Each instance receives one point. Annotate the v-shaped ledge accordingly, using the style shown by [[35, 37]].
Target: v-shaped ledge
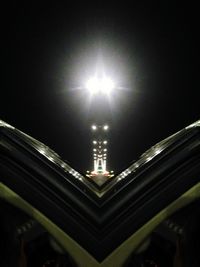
[[105, 187], [99, 218]]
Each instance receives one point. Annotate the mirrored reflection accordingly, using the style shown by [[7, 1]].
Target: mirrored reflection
[[146, 157]]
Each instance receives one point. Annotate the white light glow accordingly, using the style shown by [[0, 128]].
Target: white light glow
[[93, 85], [105, 149], [94, 127], [105, 127], [105, 142], [94, 142], [100, 85], [107, 85]]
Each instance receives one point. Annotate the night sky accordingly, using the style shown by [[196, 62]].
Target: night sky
[[149, 50]]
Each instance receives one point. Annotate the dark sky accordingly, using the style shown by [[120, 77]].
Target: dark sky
[[150, 51]]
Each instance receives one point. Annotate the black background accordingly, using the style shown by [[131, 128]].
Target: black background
[[150, 48]]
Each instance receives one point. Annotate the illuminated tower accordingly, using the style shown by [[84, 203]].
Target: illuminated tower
[[99, 146]]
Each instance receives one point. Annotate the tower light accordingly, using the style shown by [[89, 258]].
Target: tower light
[[105, 127], [94, 127]]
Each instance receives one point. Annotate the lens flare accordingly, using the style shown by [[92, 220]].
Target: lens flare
[[100, 85]]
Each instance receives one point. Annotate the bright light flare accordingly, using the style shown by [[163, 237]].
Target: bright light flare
[[105, 127], [93, 85], [100, 85], [94, 127], [107, 85]]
